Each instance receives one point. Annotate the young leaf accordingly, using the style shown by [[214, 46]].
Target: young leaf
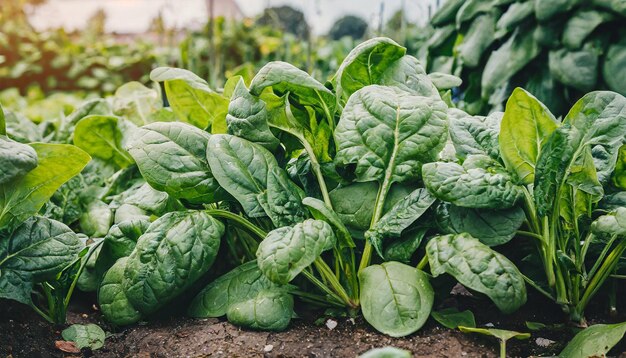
[[85, 336], [396, 299], [136, 103], [191, 98], [388, 134], [501, 334], [105, 137], [619, 175], [267, 310], [112, 299], [251, 175], [23, 196], [176, 250], [400, 217], [403, 249], [286, 251], [597, 119], [320, 211], [452, 318], [479, 268], [595, 341], [525, 127], [3, 123], [36, 251], [475, 134], [172, 158], [386, 352], [480, 183]]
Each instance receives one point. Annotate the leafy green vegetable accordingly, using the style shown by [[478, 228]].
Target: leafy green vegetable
[[16, 159], [501, 334], [386, 352], [105, 137], [286, 251], [36, 251], [479, 268], [474, 134], [395, 298], [85, 336], [176, 250], [595, 341], [172, 158], [452, 318], [112, 299]]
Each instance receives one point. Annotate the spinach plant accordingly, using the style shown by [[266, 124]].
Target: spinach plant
[[557, 173]]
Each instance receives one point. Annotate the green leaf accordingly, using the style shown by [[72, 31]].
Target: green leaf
[[403, 249], [404, 213], [85, 336], [480, 183], [447, 12], [597, 119], [479, 268], [544, 10], [491, 226], [248, 118], [595, 341], [452, 318], [619, 175], [136, 103], [23, 196], [120, 242], [408, 74], [36, 251], [3, 123], [364, 65], [444, 81], [267, 310], [611, 224], [97, 106], [251, 175], [581, 25], [112, 299], [286, 251], [476, 41], [386, 352], [514, 15], [388, 134], [283, 78], [320, 211], [213, 301], [525, 127], [96, 220], [501, 334], [578, 69], [172, 158], [507, 60], [16, 159], [475, 134], [176, 250], [613, 69], [471, 8], [105, 137], [396, 299], [191, 98]]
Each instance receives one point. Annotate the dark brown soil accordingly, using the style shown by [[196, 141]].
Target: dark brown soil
[[24, 334]]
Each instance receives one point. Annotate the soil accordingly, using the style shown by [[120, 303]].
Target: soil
[[24, 334]]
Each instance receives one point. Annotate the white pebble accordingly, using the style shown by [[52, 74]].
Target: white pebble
[[331, 324], [268, 348]]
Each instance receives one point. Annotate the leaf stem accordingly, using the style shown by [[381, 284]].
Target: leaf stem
[[240, 220], [423, 262], [378, 212]]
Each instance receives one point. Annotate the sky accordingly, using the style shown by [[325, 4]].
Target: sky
[[135, 15]]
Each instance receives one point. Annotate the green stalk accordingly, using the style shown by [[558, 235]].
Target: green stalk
[[537, 287], [238, 219], [502, 348], [423, 263], [318, 172], [378, 212], [328, 274]]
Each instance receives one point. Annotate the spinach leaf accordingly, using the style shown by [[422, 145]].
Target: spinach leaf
[[105, 137], [3, 123], [396, 299], [191, 98], [388, 134], [176, 250], [120, 242], [578, 69], [581, 25], [172, 158], [404, 213], [477, 40], [96, 220], [452, 318], [85, 336], [112, 299], [526, 125], [480, 182], [23, 196], [320, 211], [16, 159], [36, 251], [619, 175], [479, 268], [599, 118], [474, 134], [286, 251], [136, 103], [595, 341], [387, 352], [250, 173], [403, 249]]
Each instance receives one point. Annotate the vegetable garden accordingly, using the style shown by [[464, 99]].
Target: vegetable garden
[[397, 203]]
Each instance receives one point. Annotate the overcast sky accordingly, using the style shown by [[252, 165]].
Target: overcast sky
[[135, 15]]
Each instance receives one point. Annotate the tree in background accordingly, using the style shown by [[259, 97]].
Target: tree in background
[[287, 19], [349, 25]]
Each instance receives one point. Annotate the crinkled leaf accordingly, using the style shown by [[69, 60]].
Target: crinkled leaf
[[480, 183], [286, 251], [479, 268], [320, 211], [545, 10], [526, 125], [16, 159], [176, 250], [475, 134], [396, 299], [96, 220], [136, 103], [85, 336], [36, 251], [112, 299], [250, 173], [388, 134], [581, 25]]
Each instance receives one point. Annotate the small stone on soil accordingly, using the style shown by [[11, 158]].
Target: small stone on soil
[[331, 324], [543, 342], [268, 348]]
